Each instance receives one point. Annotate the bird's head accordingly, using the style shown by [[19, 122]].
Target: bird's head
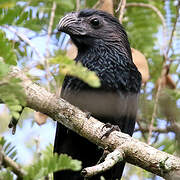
[[89, 27]]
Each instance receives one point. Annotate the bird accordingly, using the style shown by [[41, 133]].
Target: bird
[[103, 47]]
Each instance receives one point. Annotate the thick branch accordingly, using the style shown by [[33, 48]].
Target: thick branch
[[134, 151]]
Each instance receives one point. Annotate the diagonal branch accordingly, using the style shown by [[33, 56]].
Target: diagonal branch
[[121, 7], [27, 41], [130, 149], [16, 168]]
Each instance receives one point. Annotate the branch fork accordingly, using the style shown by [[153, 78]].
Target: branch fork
[[121, 146], [110, 160]]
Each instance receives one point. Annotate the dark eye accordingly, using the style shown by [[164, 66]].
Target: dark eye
[[94, 22]]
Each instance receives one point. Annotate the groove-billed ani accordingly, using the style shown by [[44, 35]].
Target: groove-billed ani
[[103, 47]]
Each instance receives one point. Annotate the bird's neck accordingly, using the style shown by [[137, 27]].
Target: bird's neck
[[102, 53], [113, 65]]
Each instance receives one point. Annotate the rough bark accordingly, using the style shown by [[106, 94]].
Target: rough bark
[[128, 148]]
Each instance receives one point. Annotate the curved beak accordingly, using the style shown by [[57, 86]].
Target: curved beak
[[67, 21], [70, 24]]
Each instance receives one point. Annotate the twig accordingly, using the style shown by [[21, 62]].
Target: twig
[[77, 5], [27, 41], [154, 113], [160, 15], [110, 160], [97, 4], [38, 152], [41, 35], [173, 30], [121, 7], [50, 28], [165, 54], [171, 128], [163, 74], [16, 168], [155, 9], [48, 73]]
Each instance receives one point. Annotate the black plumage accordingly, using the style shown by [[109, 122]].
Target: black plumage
[[103, 47]]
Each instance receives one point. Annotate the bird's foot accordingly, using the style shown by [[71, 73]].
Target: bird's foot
[[105, 153], [110, 130], [88, 114]]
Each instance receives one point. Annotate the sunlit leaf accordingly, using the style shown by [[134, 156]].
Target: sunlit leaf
[[68, 66], [7, 53], [50, 164]]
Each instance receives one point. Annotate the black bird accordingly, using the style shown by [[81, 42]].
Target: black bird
[[103, 47]]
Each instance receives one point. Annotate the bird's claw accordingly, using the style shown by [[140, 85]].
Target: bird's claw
[[110, 130], [88, 114], [105, 153]]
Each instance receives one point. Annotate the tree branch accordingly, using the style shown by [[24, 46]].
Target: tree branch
[[16, 168], [166, 49], [129, 149], [155, 9], [111, 159], [46, 63], [27, 41], [121, 8], [164, 72], [78, 3], [159, 14]]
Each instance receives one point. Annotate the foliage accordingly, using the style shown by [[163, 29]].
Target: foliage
[[10, 90], [6, 174], [47, 164], [10, 151], [7, 53], [8, 148], [50, 163], [70, 67], [144, 29]]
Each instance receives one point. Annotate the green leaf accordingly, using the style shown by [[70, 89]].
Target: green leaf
[[50, 164], [12, 94], [4, 69], [7, 53], [6, 174], [7, 3], [70, 67], [8, 149]]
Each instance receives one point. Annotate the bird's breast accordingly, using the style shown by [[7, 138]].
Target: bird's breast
[[104, 103]]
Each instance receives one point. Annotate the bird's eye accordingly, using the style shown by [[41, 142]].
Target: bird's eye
[[95, 22]]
